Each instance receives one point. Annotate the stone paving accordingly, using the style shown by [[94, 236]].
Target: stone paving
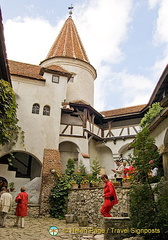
[[38, 229]]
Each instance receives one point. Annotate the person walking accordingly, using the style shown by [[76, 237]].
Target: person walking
[[119, 171], [5, 206], [110, 198], [3, 189], [21, 209]]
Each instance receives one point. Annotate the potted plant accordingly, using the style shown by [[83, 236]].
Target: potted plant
[[115, 183], [126, 182], [77, 177], [95, 168], [69, 218], [96, 182], [11, 186], [84, 183], [82, 221], [74, 184]]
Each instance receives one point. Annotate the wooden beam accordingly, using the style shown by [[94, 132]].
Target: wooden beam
[[93, 117], [71, 129], [65, 129], [84, 118], [121, 131]]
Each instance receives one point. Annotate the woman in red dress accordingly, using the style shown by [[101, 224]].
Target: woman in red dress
[[21, 209], [110, 198]]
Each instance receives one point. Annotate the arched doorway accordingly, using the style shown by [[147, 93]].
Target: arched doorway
[[25, 169], [105, 157], [68, 150], [24, 164]]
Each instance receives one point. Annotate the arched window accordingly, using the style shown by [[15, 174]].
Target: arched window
[[46, 110], [36, 108]]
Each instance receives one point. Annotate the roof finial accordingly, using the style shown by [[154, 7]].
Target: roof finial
[[70, 11]]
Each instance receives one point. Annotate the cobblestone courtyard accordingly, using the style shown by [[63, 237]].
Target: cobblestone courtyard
[[38, 229]]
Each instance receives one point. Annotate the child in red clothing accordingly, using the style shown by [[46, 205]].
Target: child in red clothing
[[21, 209], [110, 198]]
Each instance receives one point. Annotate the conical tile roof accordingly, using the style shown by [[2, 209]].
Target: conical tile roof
[[68, 43]]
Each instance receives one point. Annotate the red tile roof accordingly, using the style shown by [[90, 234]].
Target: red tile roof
[[56, 68], [34, 71], [68, 43], [123, 111], [25, 70]]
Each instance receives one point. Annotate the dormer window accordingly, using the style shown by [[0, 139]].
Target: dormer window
[[55, 79], [46, 110], [36, 108]]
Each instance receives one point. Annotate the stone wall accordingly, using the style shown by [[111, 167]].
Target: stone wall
[[89, 201], [51, 161], [33, 210], [116, 228]]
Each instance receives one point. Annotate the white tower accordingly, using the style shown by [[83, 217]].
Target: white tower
[[68, 52]]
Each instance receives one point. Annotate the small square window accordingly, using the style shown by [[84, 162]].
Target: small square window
[[55, 79]]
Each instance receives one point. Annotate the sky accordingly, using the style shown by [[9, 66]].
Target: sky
[[125, 40]]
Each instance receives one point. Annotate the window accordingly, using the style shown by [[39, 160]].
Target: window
[[46, 110], [55, 79], [36, 108]]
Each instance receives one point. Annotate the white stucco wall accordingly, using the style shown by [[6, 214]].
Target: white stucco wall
[[84, 75], [40, 131], [159, 133]]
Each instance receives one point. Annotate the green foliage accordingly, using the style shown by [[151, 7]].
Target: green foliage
[[77, 177], [70, 166], [95, 168], [59, 197], [142, 207], [144, 150], [8, 119], [59, 193], [161, 195], [153, 111], [149, 213], [11, 185], [148, 207], [82, 168]]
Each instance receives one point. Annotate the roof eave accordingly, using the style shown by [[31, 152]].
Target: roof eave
[[68, 75], [78, 59], [158, 86], [28, 77]]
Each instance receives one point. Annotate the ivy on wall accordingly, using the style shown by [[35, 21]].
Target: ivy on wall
[[9, 129], [153, 111]]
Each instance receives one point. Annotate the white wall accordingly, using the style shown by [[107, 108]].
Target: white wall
[[83, 85], [159, 133], [40, 131]]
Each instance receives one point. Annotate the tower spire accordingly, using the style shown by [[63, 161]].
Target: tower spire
[[70, 10], [68, 43]]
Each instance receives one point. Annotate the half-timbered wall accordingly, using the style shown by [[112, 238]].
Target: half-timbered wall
[[123, 131]]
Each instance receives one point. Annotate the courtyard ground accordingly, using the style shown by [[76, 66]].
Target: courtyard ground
[[45, 228]]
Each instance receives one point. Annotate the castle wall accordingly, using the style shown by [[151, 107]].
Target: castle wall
[[88, 202], [84, 74], [41, 131]]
